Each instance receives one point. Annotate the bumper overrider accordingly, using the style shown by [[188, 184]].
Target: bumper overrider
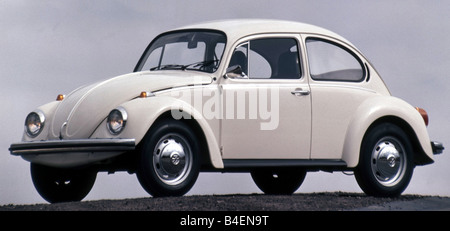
[[71, 152]]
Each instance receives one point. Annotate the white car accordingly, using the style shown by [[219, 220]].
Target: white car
[[273, 98]]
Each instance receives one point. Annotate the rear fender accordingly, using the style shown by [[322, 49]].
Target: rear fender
[[375, 109]]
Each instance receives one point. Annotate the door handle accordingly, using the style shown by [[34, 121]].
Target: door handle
[[300, 92]]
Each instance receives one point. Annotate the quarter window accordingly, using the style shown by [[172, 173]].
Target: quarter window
[[329, 61]]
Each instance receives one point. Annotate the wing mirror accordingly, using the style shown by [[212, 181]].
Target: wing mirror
[[235, 72]]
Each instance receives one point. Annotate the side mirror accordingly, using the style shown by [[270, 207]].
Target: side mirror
[[234, 72]]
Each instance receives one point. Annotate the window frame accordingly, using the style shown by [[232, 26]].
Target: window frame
[[349, 50], [294, 36], [146, 54]]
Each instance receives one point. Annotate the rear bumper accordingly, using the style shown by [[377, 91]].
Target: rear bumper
[[71, 146], [437, 147]]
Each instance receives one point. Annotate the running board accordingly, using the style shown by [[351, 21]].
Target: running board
[[264, 163]]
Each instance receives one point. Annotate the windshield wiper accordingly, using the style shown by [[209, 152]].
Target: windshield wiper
[[201, 64], [196, 65], [168, 66]]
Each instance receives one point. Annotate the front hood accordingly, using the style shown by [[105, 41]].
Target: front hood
[[79, 114]]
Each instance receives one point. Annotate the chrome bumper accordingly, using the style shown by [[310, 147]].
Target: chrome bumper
[[72, 146]]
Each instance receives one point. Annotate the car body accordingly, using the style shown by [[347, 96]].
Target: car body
[[274, 98]]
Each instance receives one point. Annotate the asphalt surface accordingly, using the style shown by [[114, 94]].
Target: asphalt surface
[[328, 201], [423, 204]]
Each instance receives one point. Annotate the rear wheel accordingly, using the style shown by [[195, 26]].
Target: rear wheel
[[169, 163], [62, 185], [386, 163], [278, 181]]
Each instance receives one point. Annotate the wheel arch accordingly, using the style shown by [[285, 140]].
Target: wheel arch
[[193, 124], [420, 157], [392, 110], [143, 114]]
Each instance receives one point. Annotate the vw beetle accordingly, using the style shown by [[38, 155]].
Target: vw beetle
[[273, 98]]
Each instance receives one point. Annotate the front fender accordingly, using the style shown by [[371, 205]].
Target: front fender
[[48, 110], [143, 112], [374, 109]]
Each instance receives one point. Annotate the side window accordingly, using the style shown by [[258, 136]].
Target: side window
[[271, 58], [329, 61], [259, 66]]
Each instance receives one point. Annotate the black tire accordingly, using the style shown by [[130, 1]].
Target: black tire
[[62, 185], [169, 162], [283, 181], [386, 161]]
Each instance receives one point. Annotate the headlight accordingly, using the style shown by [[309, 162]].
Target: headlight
[[34, 123], [117, 120]]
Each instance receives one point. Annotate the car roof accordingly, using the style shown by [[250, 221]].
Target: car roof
[[238, 28]]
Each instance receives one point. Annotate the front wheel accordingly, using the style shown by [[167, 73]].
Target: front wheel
[[283, 181], [62, 185], [386, 161], [169, 162]]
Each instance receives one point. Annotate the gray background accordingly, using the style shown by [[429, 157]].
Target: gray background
[[52, 47]]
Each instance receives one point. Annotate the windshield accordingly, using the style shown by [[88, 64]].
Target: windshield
[[184, 50]]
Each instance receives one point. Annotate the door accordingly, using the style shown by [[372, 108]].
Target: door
[[266, 110]]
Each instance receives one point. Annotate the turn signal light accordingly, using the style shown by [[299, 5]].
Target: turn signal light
[[145, 94], [60, 97], [424, 114]]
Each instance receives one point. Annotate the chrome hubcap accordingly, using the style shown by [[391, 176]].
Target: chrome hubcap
[[172, 159], [388, 161]]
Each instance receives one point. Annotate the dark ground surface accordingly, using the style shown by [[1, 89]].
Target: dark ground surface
[[332, 201]]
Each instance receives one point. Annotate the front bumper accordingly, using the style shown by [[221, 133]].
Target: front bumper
[[71, 153], [67, 146]]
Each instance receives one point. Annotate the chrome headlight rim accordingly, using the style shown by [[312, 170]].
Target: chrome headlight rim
[[34, 123], [117, 120]]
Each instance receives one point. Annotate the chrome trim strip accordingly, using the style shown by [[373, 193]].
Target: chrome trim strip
[[66, 146]]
